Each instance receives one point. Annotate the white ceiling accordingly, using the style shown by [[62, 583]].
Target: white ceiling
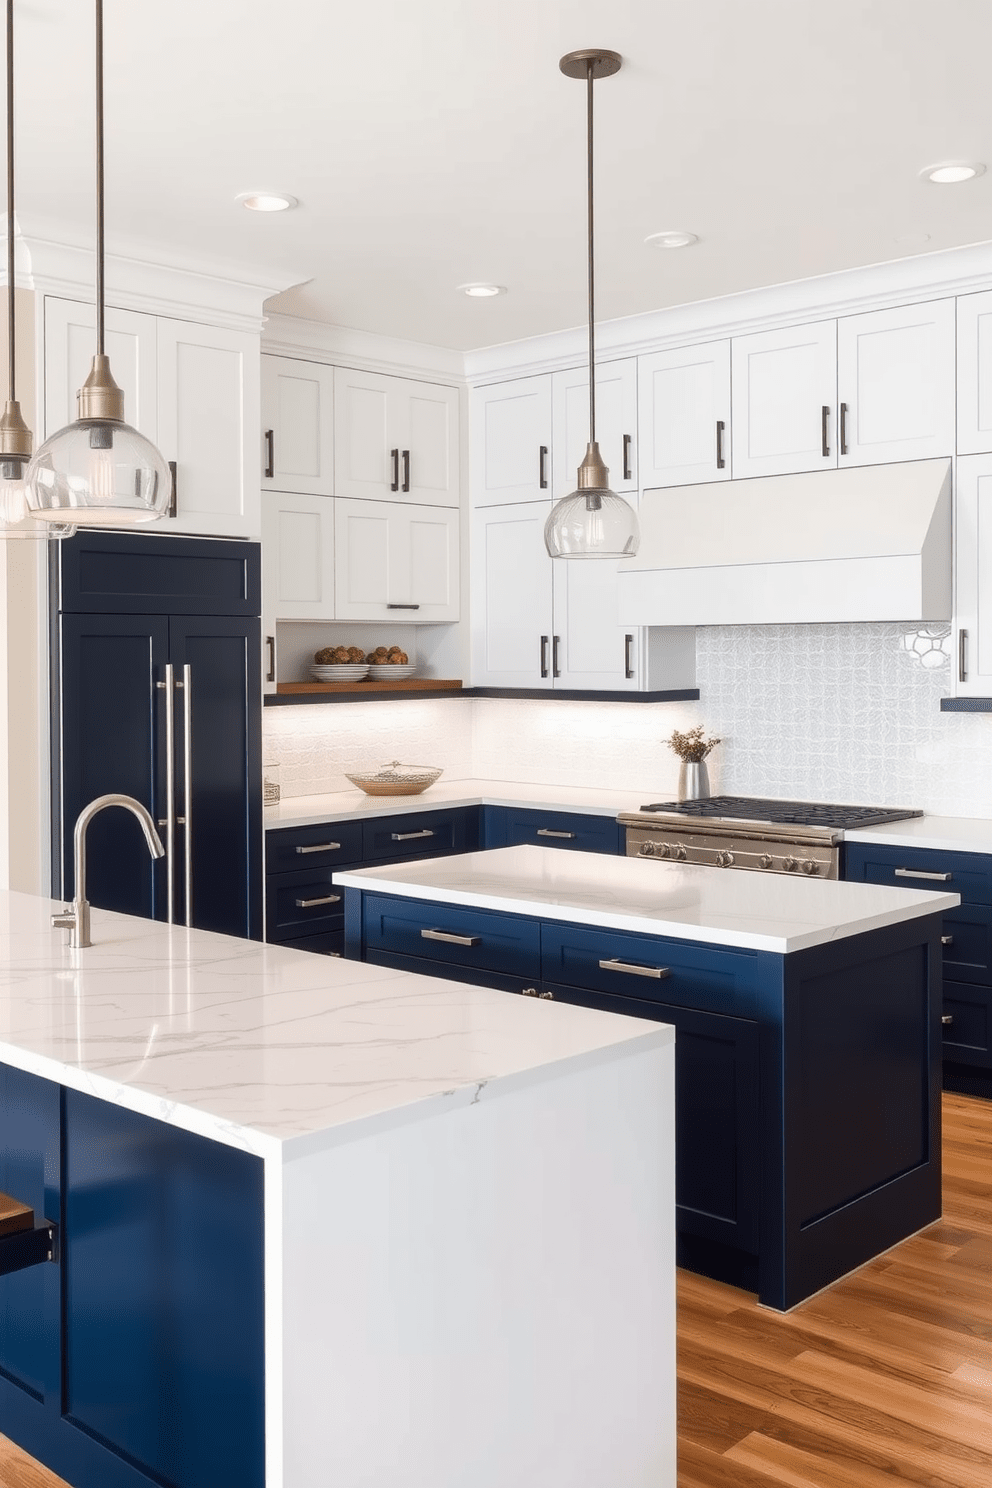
[[435, 142]]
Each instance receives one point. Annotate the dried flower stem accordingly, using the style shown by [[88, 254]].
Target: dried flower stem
[[691, 746]]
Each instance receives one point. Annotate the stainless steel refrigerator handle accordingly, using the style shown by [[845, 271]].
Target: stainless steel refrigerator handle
[[187, 686], [168, 821]]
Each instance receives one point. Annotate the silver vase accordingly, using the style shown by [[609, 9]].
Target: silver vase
[[694, 781]]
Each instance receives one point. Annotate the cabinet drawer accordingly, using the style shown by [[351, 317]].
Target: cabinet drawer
[[391, 839], [473, 938], [326, 844], [331, 944], [967, 874], [507, 827], [968, 1038], [299, 904], [654, 970], [967, 938]]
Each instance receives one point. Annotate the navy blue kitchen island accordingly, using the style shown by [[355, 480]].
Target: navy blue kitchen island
[[807, 1018]]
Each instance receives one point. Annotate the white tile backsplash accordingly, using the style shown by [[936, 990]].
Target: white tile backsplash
[[816, 712]]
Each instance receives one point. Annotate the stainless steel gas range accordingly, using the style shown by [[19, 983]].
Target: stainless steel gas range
[[771, 836]]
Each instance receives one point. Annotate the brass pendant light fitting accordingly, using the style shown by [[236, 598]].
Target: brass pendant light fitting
[[592, 522]]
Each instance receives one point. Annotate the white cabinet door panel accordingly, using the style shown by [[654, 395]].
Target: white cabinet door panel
[[782, 381], [297, 556], [511, 597], [70, 343], [395, 562], [616, 423], [973, 577], [362, 407], [684, 415], [395, 439], [511, 426], [974, 317], [895, 375], [298, 425], [429, 432], [208, 401], [593, 649]]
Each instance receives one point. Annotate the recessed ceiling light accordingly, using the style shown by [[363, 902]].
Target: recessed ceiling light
[[266, 201], [482, 291], [951, 172], [671, 240]]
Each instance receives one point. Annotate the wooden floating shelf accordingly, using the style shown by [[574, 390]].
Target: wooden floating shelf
[[408, 684], [289, 693]]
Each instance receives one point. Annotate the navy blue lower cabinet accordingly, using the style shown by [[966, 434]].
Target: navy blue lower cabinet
[[445, 940], [412, 835], [508, 826], [137, 1358], [967, 1024]]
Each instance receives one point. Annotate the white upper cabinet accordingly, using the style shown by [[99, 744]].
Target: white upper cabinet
[[208, 423], [975, 373], [511, 588], [589, 647], [394, 561], [297, 426], [616, 424], [784, 400], [297, 556], [510, 441], [972, 661], [684, 415], [395, 439], [70, 344], [895, 384]]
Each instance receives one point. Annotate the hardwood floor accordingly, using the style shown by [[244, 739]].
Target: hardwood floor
[[886, 1375]]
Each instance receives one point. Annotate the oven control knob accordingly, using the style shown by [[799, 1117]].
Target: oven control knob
[[765, 861], [724, 860], [810, 867], [647, 850], [679, 854], [663, 850], [790, 865]]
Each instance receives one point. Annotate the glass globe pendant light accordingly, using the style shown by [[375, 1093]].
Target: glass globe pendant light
[[16, 522], [593, 522], [99, 471]]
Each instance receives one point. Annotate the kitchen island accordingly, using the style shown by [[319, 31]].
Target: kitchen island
[[319, 1222], [807, 1015]]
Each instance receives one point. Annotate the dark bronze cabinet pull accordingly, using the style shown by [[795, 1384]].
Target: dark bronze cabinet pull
[[721, 463], [628, 670], [628, 440], [542, 468], [402, 606], [270, 642], [173, 510], [270, 454], [843, 428], [406, 471], [394, 484], [824, 443], [544, 656], [555, 643]]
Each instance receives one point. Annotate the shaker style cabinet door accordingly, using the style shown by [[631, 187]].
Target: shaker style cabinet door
[[395, 562], [511, 589], [297, 557], [510, 441], [616, 424], [591, 649], [395, 439], [208, 401], [895, 384], [427, 439], [972, 657], [784, 385], [70, 343], [684, 415], [974, 313], [297, 426]]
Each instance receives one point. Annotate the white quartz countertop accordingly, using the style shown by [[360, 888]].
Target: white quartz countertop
[[755, 911], [940, 833], [305, 811], [264, 1048]]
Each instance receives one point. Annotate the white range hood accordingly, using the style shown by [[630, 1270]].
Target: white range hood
[[870, 542]]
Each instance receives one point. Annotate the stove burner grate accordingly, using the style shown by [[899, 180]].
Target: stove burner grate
[[796, 813]]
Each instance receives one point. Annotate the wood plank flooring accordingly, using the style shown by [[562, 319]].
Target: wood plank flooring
[[886, 1375]]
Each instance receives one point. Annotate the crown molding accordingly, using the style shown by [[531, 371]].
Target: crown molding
[[215, 293], [292, 336], [953, 271]]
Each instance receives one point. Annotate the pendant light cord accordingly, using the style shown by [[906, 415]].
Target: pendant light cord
[[10, 201], [592, 286], [99, 177]]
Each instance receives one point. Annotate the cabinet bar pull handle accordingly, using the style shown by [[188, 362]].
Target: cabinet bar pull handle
[[721, 463], [919, 873], [170, 795], [626, 966], [402, 606], [628, 440], [465, 940], [320, 847], [270, 455], [962, 655], [550, 832], [947, 1019], [409, 836], [843, 428], [394, 484], [824, 440], [555, 643], [187, 685], [542, 468], [628, 670], [173, 509], [270, 675], [544, 656], [947, 940], [406, 470], [310, 903]]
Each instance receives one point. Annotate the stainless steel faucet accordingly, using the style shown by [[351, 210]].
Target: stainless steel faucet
[[77, 917]]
